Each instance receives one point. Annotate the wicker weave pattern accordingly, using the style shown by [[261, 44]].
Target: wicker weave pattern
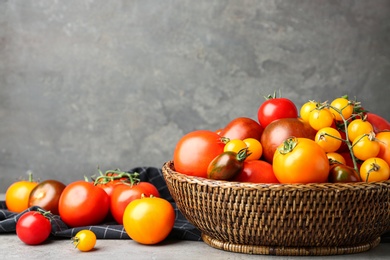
[[304, 215]]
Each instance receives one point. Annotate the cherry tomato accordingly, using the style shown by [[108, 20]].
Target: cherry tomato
[[383, 139], [195, 150], [336, 157], [358, 127], [341, 108], [256, 171], [255, 149], [82, 204], [300, 160], [278, 131], [226, 165], [123, 194], [18, 193], [276, 108], [374, 169], [234, 145], [241, 128], [47, 195], [306, 110], [33, 228], [342, 173], [149, 220], [378, 123], [320, 118], [84, 240], [365, 146], [329, 139]]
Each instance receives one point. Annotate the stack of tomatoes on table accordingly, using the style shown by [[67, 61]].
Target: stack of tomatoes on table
[[337, 141]]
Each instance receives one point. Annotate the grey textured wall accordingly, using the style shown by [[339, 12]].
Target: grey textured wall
[[117, 83]]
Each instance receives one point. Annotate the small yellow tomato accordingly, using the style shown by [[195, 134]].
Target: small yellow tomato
[[374, 169]]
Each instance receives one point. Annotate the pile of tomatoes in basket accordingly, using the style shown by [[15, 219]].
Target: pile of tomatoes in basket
[[337, 141]]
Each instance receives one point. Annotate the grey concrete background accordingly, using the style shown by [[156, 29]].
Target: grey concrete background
[[115, 84]]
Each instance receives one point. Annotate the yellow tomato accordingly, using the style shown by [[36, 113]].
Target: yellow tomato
[[17, 195], [374, 169]]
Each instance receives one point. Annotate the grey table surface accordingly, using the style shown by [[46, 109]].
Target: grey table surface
[[12, 248]]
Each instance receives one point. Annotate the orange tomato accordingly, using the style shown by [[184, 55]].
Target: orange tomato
[[336, 157], [365, 146], [329, 139], [300, 160], [383, 139], [358, 127], [255, 149], [18, 194], [306, 109], [341, 108], [320, 118], [149, 220], [374, 169]]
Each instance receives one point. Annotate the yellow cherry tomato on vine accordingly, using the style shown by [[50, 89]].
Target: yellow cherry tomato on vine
[[336, 157], [341, 108], [84, 240], [329, 139], [365, 146], [374, 169], [306, 110], [358, 127], [234, 145], [255, 149], [18, 194], [320, 118]]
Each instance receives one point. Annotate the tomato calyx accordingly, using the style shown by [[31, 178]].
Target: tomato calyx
[[288, 145], [116, 175]]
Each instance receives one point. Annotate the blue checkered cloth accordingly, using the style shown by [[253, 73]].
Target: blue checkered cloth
[[182, 229]]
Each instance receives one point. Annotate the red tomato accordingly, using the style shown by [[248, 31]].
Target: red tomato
[[195, 150], [278, 131], [123, 194], [33, 228], [242, 128], [256, 171], [379, 123], [82, 204], [384, 143], [276, 108]]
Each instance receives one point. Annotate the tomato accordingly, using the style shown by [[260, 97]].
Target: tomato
[[234, 145], [306, 110], [255, 149], [278, 131], [226, 165], [33, 228], [320, 118], [241, 128], [149, 220], [256, 171], [383, 139], [47, 195], [300, 160], [84, 240], [374, 169], [276, 108], [365, 146], [342, 173], [358, 127], [195, 150], [329, 139], [336, 157], [379, 123], [82, 204], [18, 193], [341, 108], [123, 194]]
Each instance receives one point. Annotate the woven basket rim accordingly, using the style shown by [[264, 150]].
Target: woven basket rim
[[250, 185]]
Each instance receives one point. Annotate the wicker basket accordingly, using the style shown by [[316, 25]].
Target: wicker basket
[[283, 219]]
